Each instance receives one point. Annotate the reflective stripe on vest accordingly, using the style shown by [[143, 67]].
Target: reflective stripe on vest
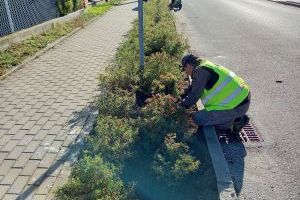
[[228, 92], [219, 88]]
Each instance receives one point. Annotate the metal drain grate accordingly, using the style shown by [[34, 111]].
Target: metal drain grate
[[247, 134]]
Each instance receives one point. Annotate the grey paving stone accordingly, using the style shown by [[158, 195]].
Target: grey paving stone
[[32, 146], [61, 121], [48, 140], [43, 109], [28, 125], [5, 139], [55, 130], [13, 112], [25, 140], [9, 146], [3, 190], [8, 108], [22, 160], [49, 125], [61, 109], [38, 105], [38, 176], [5, 166], [69, 140], [15, 153], [61, 136], [18, 116], [10, 197], [19, 185], [49, 113], [40, 135], [10, 177], [39, 197], [23, 120], [3, 155], [55, 116], [36, 117], [3, 132], [46, 186], [34, 130], [20, 135], [14, 130], [39, 153], [26, 108], [30, 167], [50, 102], [48, 160], [55, 147], [31, 113], [10, 124], [42, 120]]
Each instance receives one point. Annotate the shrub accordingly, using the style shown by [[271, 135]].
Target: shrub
[[159, 117], [77, 4], [64, 6], [119, 103], [92, 178], [173, 162], [157, 67], [113, 138]]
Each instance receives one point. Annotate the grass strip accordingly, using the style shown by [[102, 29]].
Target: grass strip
[[17, 53]]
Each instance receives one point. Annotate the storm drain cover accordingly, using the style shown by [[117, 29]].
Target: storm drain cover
[[247, 134]]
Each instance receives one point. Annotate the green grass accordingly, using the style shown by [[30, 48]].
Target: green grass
[[17, 53], [97, 10]]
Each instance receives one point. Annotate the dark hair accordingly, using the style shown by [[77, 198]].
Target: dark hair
[[191, 59]]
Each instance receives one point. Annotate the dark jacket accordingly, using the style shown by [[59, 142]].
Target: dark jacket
[[202, 78]]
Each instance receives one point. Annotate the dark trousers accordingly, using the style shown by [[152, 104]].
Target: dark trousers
[[222, 119]]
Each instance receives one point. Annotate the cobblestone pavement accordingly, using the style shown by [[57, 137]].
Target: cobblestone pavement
[[45, 106]]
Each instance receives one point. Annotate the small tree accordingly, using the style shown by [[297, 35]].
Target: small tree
[[64, 6]]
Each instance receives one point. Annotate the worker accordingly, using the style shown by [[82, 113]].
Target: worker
[[224, 95]]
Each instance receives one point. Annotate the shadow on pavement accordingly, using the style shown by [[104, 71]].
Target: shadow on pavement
[[235, 154], [80, 124]]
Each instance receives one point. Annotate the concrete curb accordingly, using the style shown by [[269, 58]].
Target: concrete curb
[[224, 181], [289, 3], [21, 35]]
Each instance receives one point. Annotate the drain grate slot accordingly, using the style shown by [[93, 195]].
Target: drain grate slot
[[247, 134]]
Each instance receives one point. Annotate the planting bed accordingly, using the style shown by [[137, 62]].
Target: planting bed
[[144, 146]]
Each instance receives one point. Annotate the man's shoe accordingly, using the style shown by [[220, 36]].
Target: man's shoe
[[239, 123]]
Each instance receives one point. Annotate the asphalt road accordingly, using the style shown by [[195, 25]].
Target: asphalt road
[[260, 41]]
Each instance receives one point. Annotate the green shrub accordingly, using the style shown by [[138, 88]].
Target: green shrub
[[157, 67], [159, 117], [120, 77], [113, 138], [64, 6], [77, 4], [119, 103], [91, 179], [173, 162]]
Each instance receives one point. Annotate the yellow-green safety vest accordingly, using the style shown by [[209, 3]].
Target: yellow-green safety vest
[[227, 93]]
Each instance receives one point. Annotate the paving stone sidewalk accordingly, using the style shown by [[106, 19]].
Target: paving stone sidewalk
[[46, 105]]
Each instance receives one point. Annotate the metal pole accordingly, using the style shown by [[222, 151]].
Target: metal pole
[[9, 16], [141, 34]]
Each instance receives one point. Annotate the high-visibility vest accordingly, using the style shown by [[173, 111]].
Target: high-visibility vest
[[227, 93]]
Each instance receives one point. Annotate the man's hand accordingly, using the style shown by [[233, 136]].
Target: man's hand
[[185, 93]]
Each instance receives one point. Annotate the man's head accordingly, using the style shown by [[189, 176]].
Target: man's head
[[188, 63]]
